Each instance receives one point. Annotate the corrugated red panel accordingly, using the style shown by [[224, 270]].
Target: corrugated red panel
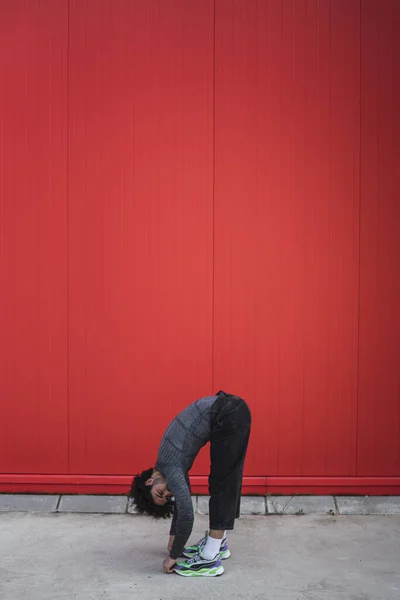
[[33, 237], [140, 224], [286, 223], [379, 372]]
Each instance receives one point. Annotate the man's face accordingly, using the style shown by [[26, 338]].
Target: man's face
[[160, 493], [159, 490]]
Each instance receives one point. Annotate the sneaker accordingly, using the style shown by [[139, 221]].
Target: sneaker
[[197, 566], [190, 551]]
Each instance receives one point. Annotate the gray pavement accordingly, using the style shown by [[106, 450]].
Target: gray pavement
[[250, 505], [47, 556]]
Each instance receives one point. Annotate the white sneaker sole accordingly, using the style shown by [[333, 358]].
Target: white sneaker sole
[[212, 573], [224, 555]]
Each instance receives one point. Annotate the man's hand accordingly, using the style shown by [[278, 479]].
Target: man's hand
[[171, 541], [169, 564]]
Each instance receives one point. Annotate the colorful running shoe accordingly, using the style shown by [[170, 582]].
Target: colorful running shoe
[[197, 566], [190, 551]]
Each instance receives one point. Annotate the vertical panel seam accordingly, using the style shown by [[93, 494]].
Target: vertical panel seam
[[213, 211], [67, 216], [359, 242]]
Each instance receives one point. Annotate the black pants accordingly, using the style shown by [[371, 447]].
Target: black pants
[[230, 431]]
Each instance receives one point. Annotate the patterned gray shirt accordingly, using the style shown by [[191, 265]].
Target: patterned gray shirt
[[180, 444]]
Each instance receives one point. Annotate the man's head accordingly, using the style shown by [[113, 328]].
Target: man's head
[[151, 495]]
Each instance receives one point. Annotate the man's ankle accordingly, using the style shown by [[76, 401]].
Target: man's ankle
[[213, 544], [217, 534]]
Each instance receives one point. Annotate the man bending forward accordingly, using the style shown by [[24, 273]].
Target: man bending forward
[[223, 420]]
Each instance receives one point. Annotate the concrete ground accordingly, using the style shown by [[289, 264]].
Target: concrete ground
[[118, 557]]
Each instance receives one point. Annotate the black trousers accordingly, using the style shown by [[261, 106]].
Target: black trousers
[[230, 431]]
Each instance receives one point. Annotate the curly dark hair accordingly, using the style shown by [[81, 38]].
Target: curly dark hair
[[142, 498]]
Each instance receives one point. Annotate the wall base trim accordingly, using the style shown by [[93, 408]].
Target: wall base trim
[[119, 484]]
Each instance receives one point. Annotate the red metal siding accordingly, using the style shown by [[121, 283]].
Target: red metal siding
[[33, 230], [194, 196], [140, 224], [287, 146], [379, 381]]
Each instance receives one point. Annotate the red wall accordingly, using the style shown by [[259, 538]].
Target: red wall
[[194, 196]]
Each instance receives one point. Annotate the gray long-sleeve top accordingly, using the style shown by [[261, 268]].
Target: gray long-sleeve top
[[180, 444]]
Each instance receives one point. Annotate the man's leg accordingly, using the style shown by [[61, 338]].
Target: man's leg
[[229, 441]]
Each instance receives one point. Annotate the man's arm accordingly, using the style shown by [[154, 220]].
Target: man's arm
[[172, 530], [182, 523]]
